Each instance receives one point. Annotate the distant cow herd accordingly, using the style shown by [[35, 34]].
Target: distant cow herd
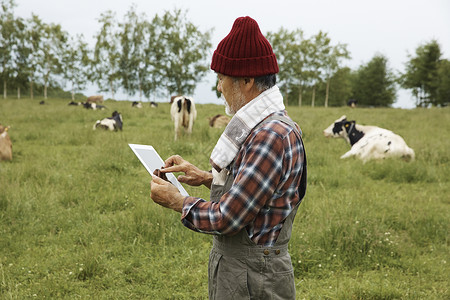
[[367, 142]]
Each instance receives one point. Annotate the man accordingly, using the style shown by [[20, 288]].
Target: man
[[258, 176]]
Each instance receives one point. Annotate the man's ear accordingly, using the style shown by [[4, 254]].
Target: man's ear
[[248, 83]]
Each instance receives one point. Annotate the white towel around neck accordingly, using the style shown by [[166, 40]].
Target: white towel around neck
[[241, 125]]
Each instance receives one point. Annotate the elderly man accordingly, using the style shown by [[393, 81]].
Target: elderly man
[[258, 176]]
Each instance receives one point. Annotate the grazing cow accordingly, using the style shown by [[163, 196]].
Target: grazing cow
[[74, 103], [112, 123], [369, 142], [153, 104], [5, 144], [219, 121], [95, 99], [136, 104], [352, 103], [183, 113]]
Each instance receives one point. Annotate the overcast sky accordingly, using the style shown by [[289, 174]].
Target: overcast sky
[[392, 28]]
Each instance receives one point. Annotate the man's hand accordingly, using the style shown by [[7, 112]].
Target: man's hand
[[192, 175], [166, 194]]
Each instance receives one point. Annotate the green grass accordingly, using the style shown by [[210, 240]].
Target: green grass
[[76, 219]]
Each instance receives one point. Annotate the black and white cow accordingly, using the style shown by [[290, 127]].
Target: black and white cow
[[112, 123], [369, 142], [136, 104], [93, 106], [183, 114]]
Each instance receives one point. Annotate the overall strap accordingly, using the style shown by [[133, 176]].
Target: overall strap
[[283, 119]]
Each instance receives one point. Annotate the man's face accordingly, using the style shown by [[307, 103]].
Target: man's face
[[230, 89]]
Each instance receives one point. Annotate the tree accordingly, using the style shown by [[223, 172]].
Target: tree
[[421, 74], [290, 49], [374, 83], [134, 31], [75, 63], [34, 47], [20, 73], [106, 61], [152, 80], [332, 65], [318, 51], [443, 91], [54, 43], [185, 50], [340, 90], [8, 38]]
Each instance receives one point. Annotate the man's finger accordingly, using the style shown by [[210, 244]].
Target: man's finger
[[173, 160], [176, 168]]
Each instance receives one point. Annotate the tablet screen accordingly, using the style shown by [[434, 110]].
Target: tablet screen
[[152, 161]]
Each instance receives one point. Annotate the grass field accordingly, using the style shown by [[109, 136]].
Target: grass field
[[77, 222]]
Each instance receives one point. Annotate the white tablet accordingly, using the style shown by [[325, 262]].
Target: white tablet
[[152, 161]]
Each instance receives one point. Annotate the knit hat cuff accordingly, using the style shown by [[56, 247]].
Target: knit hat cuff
[[244, 67]]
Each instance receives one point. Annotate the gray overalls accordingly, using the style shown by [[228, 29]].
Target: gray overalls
[[240, 269]]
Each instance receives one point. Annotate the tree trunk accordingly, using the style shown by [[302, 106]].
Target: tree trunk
[[313, 96], [111, 89], [327, 92], [73, 91], [4, 89], [18, 93], [300, 91], [31, 90], [140, 92], [45, 90]]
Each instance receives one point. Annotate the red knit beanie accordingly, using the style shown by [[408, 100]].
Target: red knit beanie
[[244, 52]]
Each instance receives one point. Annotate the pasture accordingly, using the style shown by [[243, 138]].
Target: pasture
[[77, 222]]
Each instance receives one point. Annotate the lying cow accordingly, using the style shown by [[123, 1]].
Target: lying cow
[[136, 104], [112, 123], [369, 142], [219, 121], [73, 103], [183, 113], [95, 99], [93, 106], [153, 104], [5, 144]]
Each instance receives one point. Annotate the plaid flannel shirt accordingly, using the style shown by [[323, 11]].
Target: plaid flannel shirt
[[265, 190]]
